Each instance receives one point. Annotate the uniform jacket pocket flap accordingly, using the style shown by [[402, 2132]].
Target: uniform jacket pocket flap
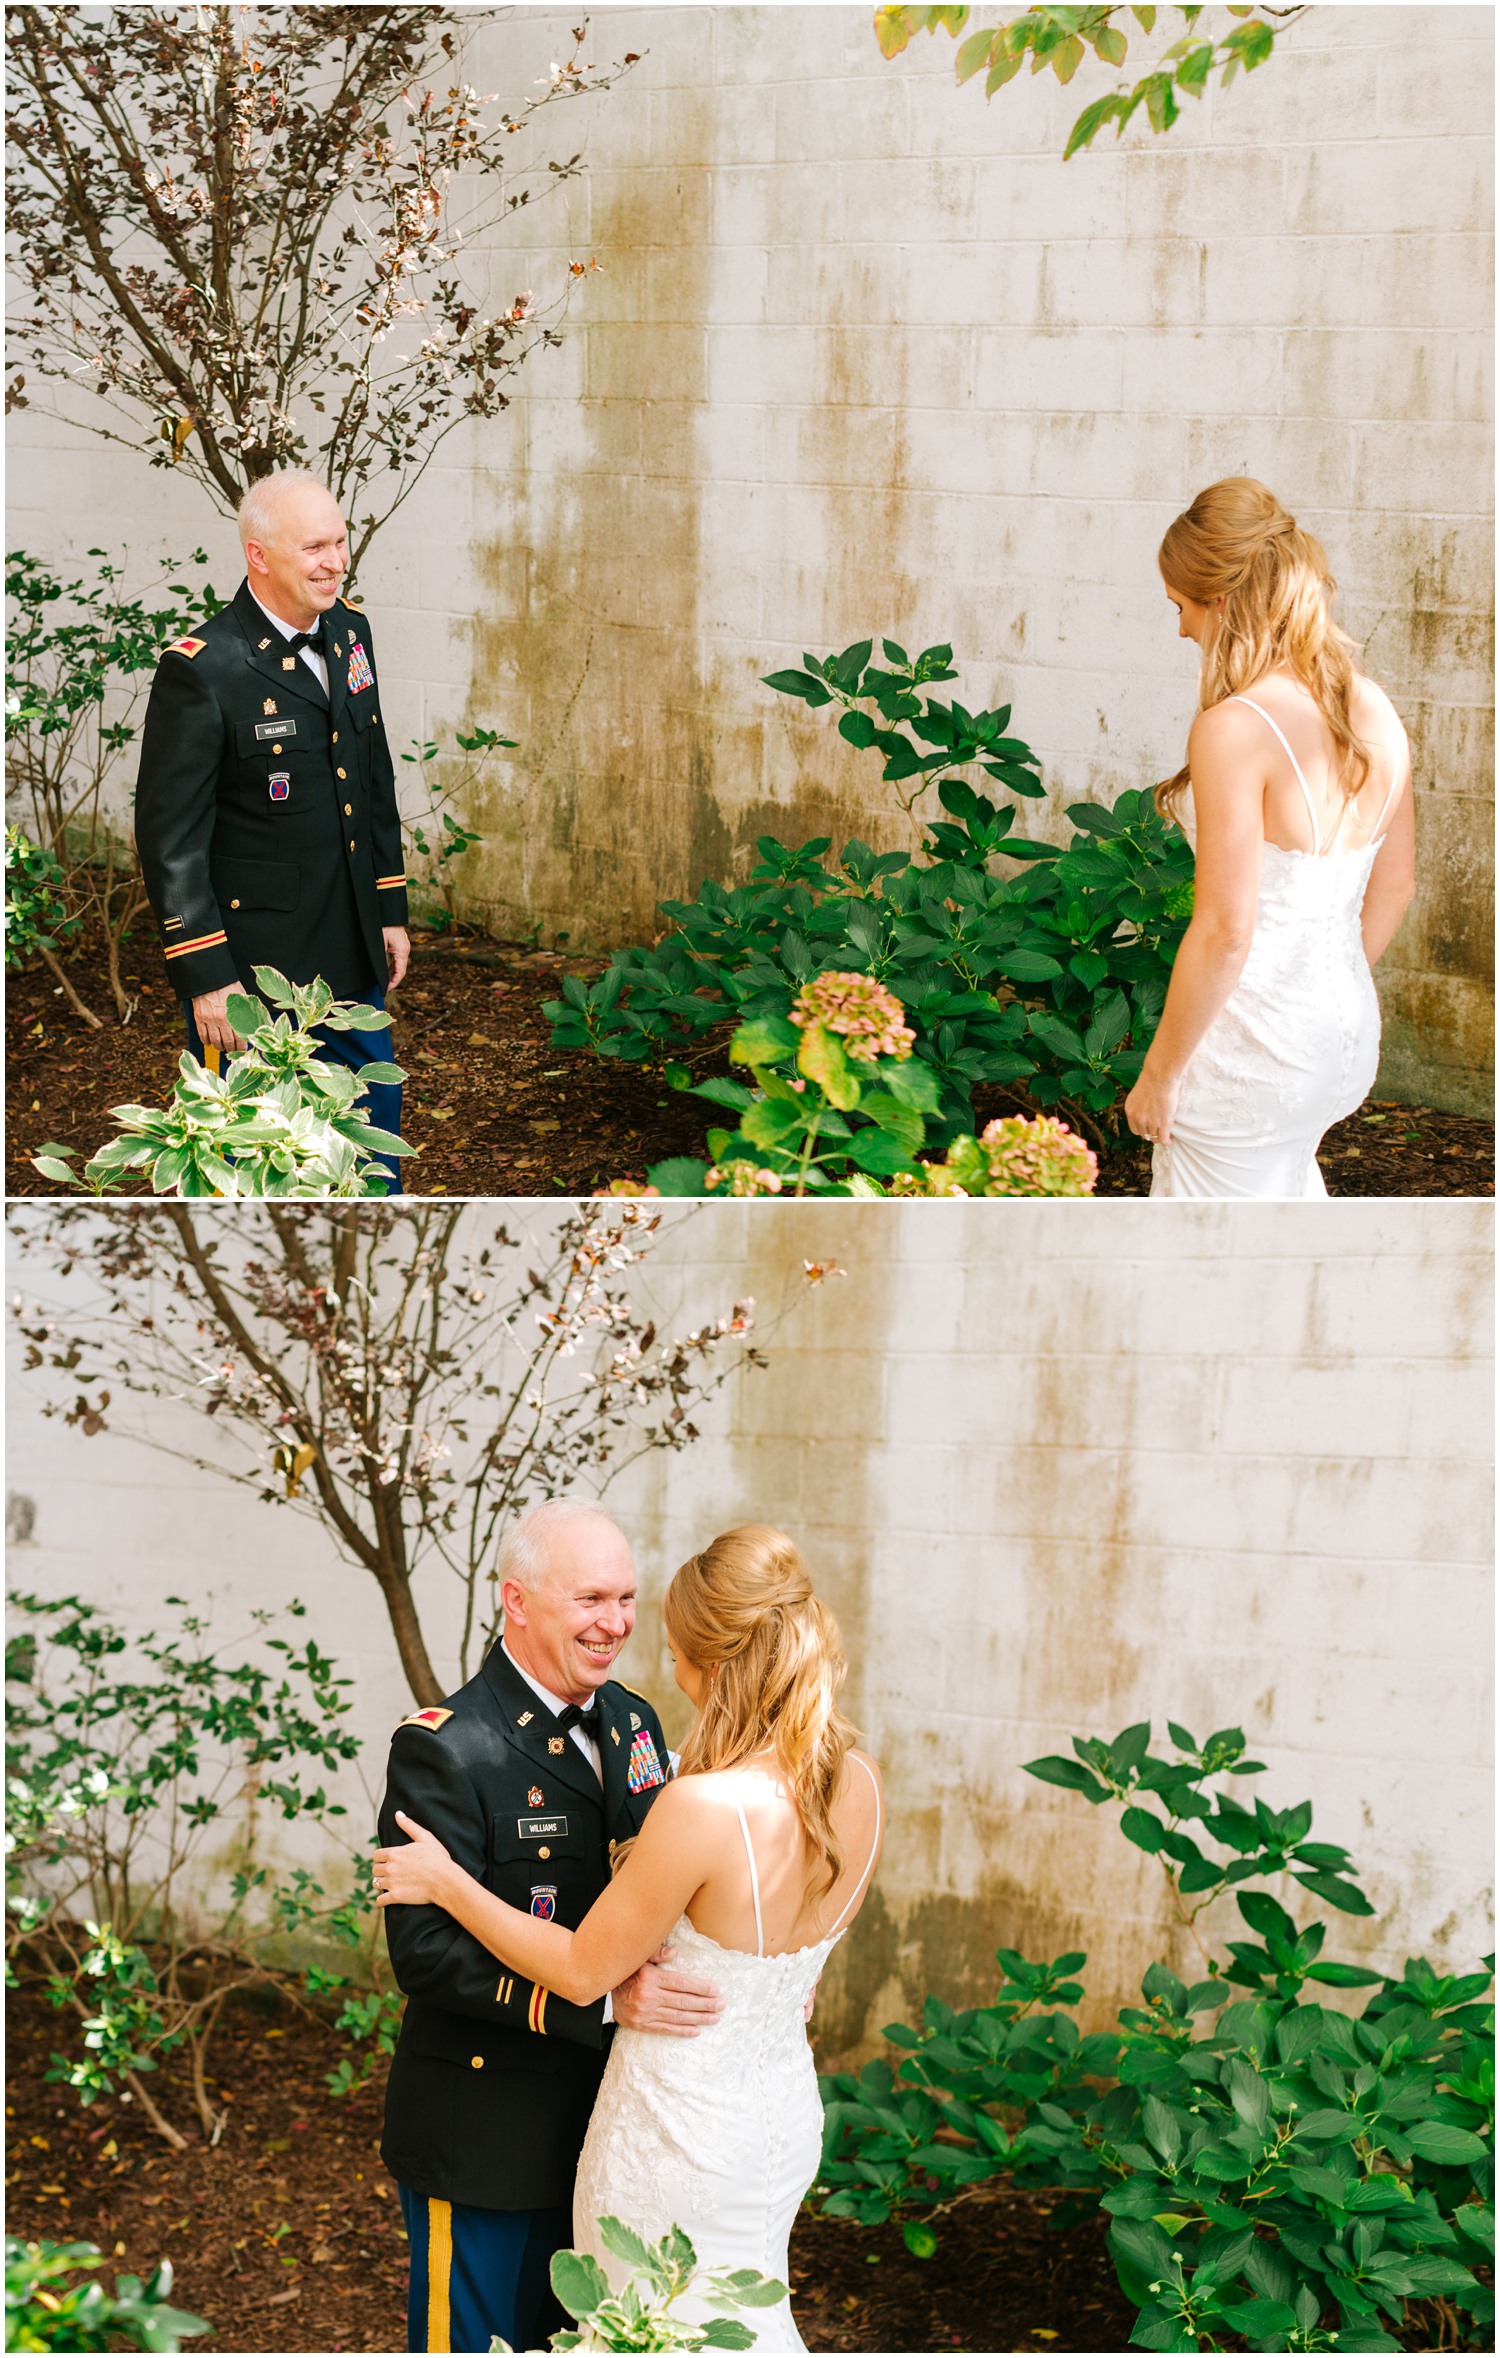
[[360, 710], [481, 2046], [255, 884]]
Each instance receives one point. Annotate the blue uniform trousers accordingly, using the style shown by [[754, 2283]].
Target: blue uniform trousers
[[382, 1100], [476, 2274]]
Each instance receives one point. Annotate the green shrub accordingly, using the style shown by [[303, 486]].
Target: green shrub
[[132, 1869], [1270, 2166], [46, 2311], [641, 2315], [36, 915], [1050, 977], [280, 1120]]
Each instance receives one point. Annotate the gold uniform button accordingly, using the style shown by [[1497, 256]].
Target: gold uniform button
[[234, 904], [348, 810], [476, 2063], [612, 1842], [343, 773], [544, 1852], [351, 843], [335, 736], [275, 748]]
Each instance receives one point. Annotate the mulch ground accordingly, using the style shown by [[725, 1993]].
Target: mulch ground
[[496, 1110], [287, 2235]]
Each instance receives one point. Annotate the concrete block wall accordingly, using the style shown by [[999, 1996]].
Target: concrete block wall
[[1057, 1472], [867, 355]]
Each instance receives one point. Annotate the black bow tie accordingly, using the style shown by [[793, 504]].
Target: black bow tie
[[572, 1716], [307, 638]]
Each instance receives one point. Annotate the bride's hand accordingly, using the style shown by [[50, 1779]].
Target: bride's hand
[[1151, 1107], [420, 1870]]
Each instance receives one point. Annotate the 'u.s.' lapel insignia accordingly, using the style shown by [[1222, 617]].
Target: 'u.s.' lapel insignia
[[535, 1798], [261, 646], [525, 1719]]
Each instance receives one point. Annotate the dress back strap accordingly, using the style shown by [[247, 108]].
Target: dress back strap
[[870, 1861], [1312, 815], [760, 1937]]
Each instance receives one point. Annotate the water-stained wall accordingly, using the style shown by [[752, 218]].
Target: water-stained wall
[[1057, 1471], [866, 355]]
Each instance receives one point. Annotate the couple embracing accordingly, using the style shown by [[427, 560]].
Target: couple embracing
[[609, 1956]]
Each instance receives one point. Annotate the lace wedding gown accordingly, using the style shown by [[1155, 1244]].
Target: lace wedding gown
[[721, 2134], [1295, 1046]]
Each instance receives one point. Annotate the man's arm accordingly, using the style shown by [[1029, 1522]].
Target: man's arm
[[182, 747], [385, 839], [433, 1958]]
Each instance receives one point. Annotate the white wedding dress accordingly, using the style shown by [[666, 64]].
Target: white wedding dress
[[720, 2135], [1295, 1046]]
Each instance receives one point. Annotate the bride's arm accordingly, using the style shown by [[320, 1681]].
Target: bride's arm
[[668, 1862], [1393, 879], [1228, 795]]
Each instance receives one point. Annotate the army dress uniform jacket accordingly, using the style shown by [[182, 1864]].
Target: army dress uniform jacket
[[494, 2077], [265, 811]]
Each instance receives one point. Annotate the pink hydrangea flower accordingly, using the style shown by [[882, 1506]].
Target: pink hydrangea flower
[[867, 1017], [1037, 1157], [742, 1178]]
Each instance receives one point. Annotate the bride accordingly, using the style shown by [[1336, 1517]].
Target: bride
[[1299, 783], [752, 1863]]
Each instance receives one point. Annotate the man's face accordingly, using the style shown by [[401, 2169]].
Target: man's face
[[570, 1629], [298, 569]]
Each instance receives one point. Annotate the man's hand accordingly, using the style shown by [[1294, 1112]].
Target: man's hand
[[658, 1998], [214, 1027], [397, 952]]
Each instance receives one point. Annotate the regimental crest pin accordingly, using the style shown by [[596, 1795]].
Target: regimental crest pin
[[544, 1900], [281, 785], [288, 662], [557, 1744], [536, 1798], [360, 674], [645, 1768], [269, 705]]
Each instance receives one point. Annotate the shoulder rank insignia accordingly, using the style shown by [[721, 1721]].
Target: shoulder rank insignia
[[424, 1719], [187, 646]]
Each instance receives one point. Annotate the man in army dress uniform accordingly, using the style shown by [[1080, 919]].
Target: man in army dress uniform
[[530, 1776], [265, 812]]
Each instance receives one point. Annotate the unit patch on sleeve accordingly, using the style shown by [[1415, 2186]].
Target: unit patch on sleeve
[[360, 674]]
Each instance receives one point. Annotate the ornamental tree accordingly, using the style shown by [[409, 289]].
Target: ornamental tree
[[238, 228], [408, 1375]]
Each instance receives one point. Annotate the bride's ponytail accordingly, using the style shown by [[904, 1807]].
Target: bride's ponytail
[[1237, 542], [744, 1613]]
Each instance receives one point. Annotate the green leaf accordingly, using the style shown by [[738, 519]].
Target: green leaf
[[579, 2282], [273, 986], [1055, 1770], [380, 1076], [765, 1040], [798, 683], [1441, 2141], [821, 1057], [1337, 1892], [774, 1121], [679, 1175], [1141, 1828], [244, 1013], [1265, 1915], [919, 2240]]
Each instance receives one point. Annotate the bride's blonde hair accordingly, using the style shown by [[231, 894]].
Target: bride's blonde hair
[[743, 1612], [1237, 542]]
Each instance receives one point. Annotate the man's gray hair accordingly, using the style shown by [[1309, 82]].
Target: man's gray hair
[[257, 510], [525, 1550]]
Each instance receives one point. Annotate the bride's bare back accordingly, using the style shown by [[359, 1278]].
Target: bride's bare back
[[1342, 824], [723, 1907]]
